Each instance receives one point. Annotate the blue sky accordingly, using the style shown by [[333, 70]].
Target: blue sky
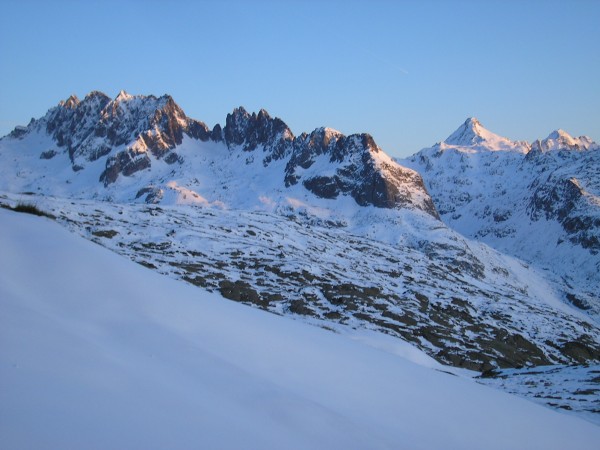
[[407, 72]]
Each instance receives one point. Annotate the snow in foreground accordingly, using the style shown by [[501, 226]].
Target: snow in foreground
[[98, 352]]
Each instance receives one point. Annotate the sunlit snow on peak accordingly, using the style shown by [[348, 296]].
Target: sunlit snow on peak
[[123, 96], [71, 102], [561, 140], [472, 135]]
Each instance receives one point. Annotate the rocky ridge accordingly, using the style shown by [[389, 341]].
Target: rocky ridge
[[133, 134]]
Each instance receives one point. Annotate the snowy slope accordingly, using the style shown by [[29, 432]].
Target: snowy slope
[[539, 202], [458, 300], [108, 354], [573, 388]]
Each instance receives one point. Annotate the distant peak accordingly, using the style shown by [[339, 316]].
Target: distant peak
[[240, 110], [328, 131], [472, 122], [472, 134], [166, 98], [561, 140], [469, 133], [71, 102], [263, 114], [560, 134], [123, 96], [96, 94]]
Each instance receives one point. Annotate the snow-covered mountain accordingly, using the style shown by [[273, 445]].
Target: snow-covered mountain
[[561, 140], [472, 134], [97, 352], [538, 202], [323, 226], [146, 148]]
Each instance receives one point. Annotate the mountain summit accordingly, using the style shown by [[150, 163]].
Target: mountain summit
[[539, 202], [469, 133], [561, 140], [472, 134]]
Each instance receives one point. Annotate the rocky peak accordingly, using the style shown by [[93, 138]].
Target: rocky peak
[[71, 103], [72, 120], [320, 141], [168, 112], [561, 140], [560, 134], [250, 131], [355, 167], [263, 115], [92, 128], [324, 136], [237, 124], [96, 101], [123, 96], [469, 133], [151, 125], [96, 94]]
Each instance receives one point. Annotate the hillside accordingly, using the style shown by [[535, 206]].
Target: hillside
[[110, 354]]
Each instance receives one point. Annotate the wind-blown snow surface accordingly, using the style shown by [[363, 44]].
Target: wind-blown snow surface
[[98, 352]]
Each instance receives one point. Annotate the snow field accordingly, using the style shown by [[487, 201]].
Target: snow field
[[98, 352]]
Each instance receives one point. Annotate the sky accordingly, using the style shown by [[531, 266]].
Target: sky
[[407, 72]]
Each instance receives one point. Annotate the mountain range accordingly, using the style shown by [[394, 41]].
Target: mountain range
[[116, 139], [481, 251], [539, 202]]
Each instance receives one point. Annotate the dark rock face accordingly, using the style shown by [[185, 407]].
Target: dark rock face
[[581, 351], [18, 132], [126, 162], [71, 123], [555, 199], [216, 134], [153, 194], [564, 201], [250, 131], [198, 130], [90, 129], [359, 174], [172, 158], [48, 154]]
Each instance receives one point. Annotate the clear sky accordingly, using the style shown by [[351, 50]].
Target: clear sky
[[407, 72]]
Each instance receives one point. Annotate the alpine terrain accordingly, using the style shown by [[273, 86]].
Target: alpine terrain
[[539, 202], [481, 252]]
